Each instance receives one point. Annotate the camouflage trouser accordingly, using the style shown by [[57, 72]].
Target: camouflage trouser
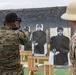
[[74, 69], [12, 73], [73, 61]]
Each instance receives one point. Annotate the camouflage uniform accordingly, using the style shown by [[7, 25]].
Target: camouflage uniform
[[70, 15], [73, 52], [9, 48]]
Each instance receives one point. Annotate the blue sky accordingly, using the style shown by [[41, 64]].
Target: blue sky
[[18, 4]]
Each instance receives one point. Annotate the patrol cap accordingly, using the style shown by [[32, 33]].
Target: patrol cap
[[12, 17]]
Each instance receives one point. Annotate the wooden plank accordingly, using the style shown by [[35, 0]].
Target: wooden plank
[[34, 68], [25, 53], [40, 57], [24, 62]]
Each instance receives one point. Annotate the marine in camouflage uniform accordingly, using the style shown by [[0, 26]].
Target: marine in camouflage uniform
[[10, 39], [70, 15]]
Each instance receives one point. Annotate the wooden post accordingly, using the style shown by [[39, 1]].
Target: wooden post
[[48, 69], [30, 62], [71, 70]]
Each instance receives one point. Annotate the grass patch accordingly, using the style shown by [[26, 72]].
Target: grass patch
[[61, 71], [56, 72], [25, 71]]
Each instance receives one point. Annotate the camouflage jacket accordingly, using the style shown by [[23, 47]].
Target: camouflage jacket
[[9, 48], [73, 49]]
